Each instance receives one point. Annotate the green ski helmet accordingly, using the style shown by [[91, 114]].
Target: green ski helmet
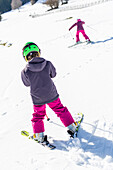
[[29, 48]]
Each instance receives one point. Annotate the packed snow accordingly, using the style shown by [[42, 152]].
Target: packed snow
[[84, 81]]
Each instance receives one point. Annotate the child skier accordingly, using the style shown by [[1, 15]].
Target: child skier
[[37, 74], [80, 28]]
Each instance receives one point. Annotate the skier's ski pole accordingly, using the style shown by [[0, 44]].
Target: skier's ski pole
[[91, 27], [71, 35], [47, 117]]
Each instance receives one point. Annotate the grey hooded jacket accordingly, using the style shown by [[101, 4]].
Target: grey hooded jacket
[[37, 74]]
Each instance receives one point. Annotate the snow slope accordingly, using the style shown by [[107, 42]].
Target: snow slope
[[84, 81]]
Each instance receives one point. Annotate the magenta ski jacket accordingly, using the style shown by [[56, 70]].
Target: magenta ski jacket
[[79, 25], [38, 74]]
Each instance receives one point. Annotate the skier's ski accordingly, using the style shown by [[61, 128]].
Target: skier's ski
[[76, 44], [45, 143], [78, 119], [87, 42]]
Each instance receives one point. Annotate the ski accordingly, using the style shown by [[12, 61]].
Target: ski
[[45, 143], [76, 44], [87, 42], [78, 119]]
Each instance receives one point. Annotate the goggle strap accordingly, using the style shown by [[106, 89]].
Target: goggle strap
[[26, 56]]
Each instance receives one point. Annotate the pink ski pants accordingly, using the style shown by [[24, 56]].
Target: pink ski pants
[[83, 33], [40, 112]]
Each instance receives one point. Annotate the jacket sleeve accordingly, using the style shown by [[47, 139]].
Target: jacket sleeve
[[72, 26], [52, 71], [24, 78], [83, 22]]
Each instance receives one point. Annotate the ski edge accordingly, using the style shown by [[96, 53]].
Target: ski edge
[[79, 123], [74, 135]]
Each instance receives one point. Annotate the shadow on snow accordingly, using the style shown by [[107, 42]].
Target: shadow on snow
[[109, 39], [99, 146]]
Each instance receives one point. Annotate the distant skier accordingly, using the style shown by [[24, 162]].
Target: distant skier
[[38, 74], [80, 28]]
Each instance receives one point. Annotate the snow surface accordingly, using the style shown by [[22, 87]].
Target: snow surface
[[84, 81]]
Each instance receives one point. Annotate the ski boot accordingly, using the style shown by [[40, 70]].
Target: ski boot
[[72, 129], [88, 41], [41, 139], [78, 42]]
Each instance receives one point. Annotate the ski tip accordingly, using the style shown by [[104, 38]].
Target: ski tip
[[24, 133], [80, 113]]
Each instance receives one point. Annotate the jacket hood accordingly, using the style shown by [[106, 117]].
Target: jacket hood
[[78, 20], [36, 64]]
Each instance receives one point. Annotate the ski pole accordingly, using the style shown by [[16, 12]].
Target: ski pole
[[47, 117], [71, 35], [91, 27]]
